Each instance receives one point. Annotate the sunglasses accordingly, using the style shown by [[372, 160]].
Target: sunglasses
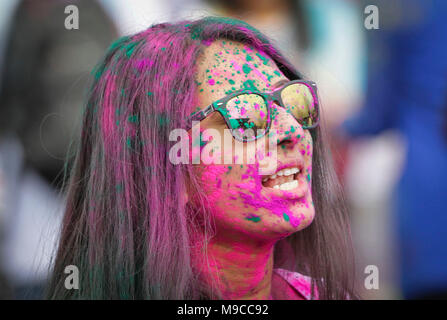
[[248, 114]]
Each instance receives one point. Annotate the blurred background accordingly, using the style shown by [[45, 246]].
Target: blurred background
[[384, 96]]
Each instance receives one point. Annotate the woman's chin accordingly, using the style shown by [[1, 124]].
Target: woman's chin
[[304, 217], [283, 226]]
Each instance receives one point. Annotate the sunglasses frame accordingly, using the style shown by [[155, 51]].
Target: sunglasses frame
[[269, 98]]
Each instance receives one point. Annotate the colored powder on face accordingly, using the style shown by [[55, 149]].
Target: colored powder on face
[[253, 218], [269, 77], [246, 68], [255, 199], [231, 81], [211, 174], [286, 217], [265, 61], [211, 82], [277, 73], [149, 93], [249, 85]]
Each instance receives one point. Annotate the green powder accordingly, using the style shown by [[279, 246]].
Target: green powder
[[253, 218], [246, 68], [264, 59]]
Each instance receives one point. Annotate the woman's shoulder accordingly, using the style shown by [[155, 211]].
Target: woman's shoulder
[[299, 286]]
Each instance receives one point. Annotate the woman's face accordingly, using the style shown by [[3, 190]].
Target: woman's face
[[243, 198]]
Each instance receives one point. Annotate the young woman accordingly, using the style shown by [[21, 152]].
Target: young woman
[[140, 224]]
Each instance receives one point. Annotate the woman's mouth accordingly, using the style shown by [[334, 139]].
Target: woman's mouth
[[289, 182], [285, 179]]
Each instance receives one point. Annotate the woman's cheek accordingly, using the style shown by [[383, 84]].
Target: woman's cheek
[[219, 183], [211, 178]]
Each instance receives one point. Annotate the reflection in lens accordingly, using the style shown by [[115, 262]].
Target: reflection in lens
[[299, 101], [247, 114]]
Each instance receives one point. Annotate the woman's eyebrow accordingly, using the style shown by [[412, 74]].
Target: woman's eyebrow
[[279, 83]]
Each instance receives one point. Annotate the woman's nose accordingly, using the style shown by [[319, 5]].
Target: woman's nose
[[288, 131]]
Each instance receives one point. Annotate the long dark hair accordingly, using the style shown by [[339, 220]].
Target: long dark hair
[[125, 225]]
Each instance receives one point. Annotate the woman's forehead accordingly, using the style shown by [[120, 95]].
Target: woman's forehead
[[227, 66]]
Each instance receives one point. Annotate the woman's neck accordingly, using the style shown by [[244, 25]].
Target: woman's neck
[[240, 266]]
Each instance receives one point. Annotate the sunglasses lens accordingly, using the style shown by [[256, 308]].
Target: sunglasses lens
[[248, 116], [299, 101]]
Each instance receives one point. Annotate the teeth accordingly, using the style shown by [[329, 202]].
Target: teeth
[[288, 185], [287, 172], [283, 172]]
